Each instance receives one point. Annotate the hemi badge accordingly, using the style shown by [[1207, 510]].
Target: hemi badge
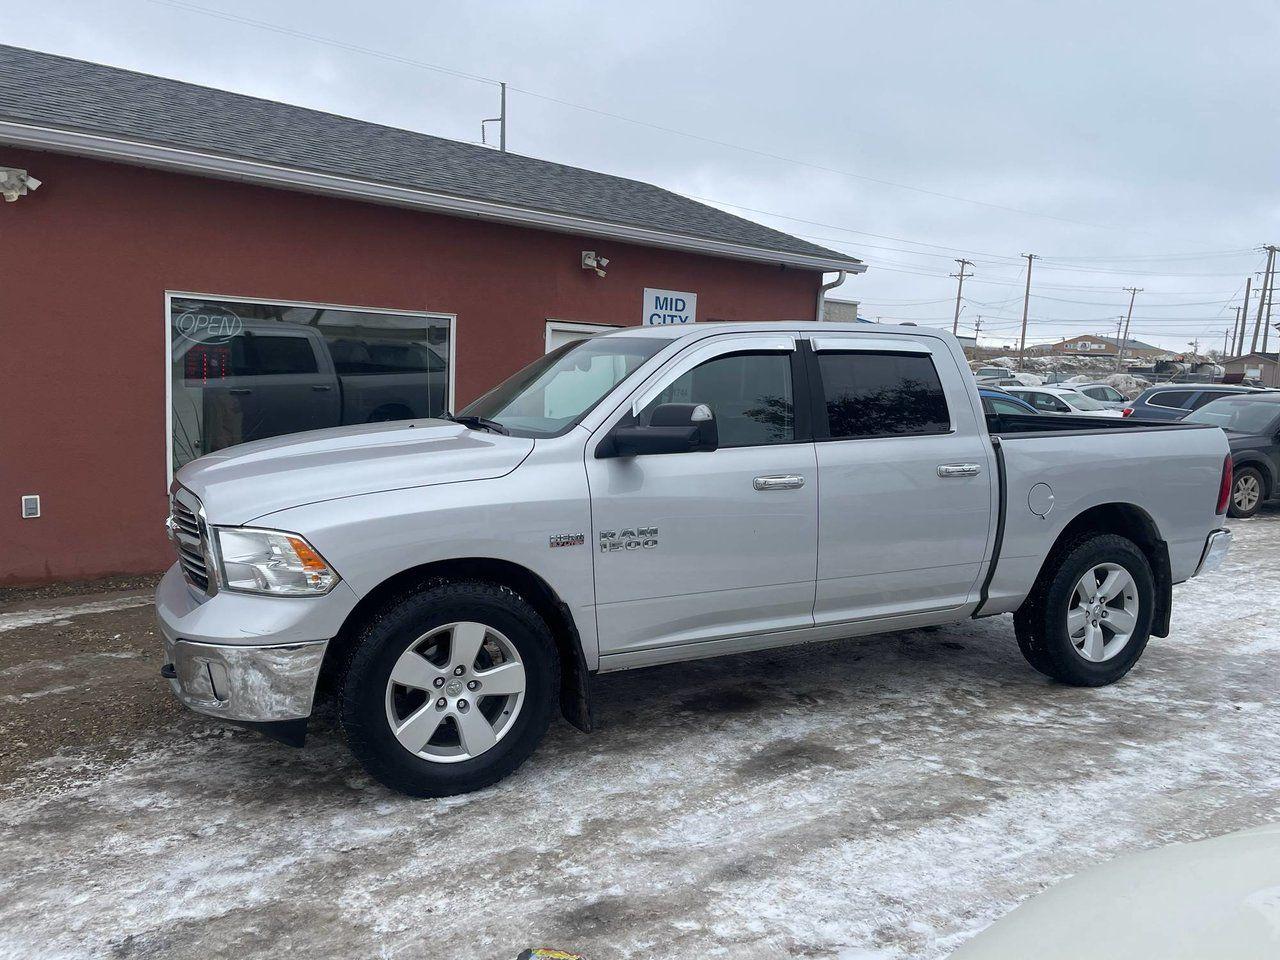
[[568, 540]]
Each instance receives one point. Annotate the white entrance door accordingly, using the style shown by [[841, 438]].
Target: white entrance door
[[560, 332]]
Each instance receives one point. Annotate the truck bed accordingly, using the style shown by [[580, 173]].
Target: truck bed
[[1051, 469], [1044, 425]]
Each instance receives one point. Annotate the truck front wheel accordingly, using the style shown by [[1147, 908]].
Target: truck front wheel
[[449, 689], [1088, 618]]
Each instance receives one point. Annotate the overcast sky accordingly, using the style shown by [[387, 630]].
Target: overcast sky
[[1130, 143]]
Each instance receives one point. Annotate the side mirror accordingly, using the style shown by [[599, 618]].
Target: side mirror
[[672, 428]]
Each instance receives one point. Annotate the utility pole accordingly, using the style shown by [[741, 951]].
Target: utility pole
[[1244, 314], [500, 119], [955, 324], [1270, 294], [1226, 339], [977, 329], [1262, 298], [1124, 339], [1026, 305], [1236, 336]]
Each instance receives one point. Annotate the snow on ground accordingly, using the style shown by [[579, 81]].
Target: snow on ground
[[880, 798]]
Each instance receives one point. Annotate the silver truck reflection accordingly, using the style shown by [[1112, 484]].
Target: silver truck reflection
[[275, 378], [657, 495]]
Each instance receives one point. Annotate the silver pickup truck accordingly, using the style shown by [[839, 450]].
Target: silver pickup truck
[[655, 495]]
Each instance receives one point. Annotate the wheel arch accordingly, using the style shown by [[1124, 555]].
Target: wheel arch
[[575, 677], [1132, 522]]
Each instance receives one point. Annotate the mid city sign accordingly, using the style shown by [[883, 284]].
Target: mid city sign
[[662, 307]]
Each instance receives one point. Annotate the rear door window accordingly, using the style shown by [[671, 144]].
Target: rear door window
[[1046, 402], [882, 394], [271, 355], [999, 405], [1175, 399], [1207, 396]]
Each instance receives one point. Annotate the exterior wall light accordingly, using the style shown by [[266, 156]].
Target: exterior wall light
[[593, 261], [15, 183]]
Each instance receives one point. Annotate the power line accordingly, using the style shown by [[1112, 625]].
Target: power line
[[478, 78]]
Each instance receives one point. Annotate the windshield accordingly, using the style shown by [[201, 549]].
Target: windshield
[[1080, 401], [557, 390], [1239, 414]]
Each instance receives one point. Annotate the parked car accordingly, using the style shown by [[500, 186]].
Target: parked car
[[1104, 393], [655, 495], [1252, 424], [1173, 401], [997, 401], [1005, 381], [991, 373], [1062, 400], [1212, 898], [274, 378]]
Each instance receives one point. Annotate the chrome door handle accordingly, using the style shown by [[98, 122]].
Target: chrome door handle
[[786, 482], [959, 470]]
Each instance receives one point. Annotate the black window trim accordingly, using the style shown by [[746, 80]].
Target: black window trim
[[817, 406]]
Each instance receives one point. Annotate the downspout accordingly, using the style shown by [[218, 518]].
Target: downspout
[[822, 292]]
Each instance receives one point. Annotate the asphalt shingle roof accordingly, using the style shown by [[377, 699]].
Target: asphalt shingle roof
[[73, 95]]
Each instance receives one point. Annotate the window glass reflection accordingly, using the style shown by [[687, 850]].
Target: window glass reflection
[[248, 371]]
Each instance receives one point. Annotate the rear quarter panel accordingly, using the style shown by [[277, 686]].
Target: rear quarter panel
[[1172, 475]]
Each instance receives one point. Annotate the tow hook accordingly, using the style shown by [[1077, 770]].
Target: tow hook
[[168, 672]]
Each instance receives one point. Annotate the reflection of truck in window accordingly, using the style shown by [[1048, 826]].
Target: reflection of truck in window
[[275, 378]]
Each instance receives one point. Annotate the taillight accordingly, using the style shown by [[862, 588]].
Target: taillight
[[1224, 492], [1127, 412]]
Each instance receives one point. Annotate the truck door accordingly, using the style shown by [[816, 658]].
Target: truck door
[[904, 478], [692, 547], [280, 381]]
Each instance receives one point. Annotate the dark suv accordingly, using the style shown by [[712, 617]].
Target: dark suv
[[1173, 401]]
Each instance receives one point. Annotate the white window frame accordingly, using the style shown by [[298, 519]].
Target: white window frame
[[171, 295], [574, 326]]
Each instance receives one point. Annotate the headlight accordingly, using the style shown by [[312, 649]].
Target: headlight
[[271, 562]]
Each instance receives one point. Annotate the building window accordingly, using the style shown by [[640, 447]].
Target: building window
[[244, 370]]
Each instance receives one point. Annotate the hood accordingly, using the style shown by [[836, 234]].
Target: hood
[[242, 483]]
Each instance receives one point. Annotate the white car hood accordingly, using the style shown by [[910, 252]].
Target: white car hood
[[1188, 901], [242, 483]]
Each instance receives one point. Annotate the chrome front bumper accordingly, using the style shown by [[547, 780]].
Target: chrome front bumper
[[249, 684], [246, 658], [1216, 549]]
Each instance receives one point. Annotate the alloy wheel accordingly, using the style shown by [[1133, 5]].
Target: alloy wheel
[[1103, 612], [455, 692], [1247, 492]]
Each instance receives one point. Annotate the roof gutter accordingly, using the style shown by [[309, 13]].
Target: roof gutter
[[822, 293], [251, 171]]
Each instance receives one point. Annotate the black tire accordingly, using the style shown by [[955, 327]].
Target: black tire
[[1041, 623], [1246, 475], [363, 693]]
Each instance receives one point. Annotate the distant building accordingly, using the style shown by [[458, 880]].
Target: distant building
[[1253, 366], [840, 311], [1095, 345]]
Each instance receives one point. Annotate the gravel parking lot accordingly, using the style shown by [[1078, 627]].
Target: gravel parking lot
[[878, 798]]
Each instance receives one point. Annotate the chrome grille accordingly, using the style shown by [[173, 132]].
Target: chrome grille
[[189, 537]]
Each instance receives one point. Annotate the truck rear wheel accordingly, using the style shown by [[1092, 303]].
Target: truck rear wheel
[[449, 689], [1088, 618]]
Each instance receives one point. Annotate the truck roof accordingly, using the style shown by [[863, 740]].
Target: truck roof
[[677, 331]]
